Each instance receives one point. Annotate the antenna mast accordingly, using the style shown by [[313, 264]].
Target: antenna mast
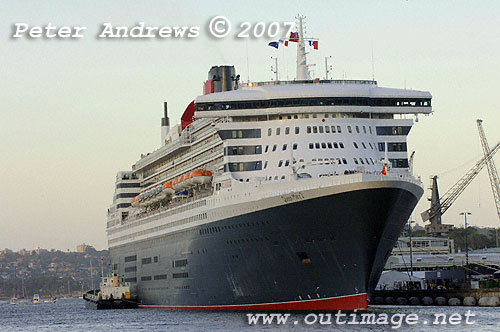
[[302, 71], [328, 69], [275, 69]]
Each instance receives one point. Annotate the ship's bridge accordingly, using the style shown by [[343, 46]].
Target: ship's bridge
[[338, 96]]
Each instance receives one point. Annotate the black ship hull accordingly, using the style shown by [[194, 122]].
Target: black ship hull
[[325, 253]]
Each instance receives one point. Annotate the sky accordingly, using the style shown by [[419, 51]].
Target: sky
[[73, 112]]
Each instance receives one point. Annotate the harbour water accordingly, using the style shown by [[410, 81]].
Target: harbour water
[[70, 315]]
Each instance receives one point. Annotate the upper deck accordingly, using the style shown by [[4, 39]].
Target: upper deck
[[349, 96]]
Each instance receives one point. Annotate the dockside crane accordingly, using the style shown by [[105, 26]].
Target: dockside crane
[[440, 206], [492, 169]]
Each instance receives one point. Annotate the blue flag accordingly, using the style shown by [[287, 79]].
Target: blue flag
[[274, 44]]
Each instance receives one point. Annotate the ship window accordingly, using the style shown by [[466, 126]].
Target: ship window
[[335, 145], [355, 161], [146, 278], [323, 145], [278, 131], [160, 277], [327, 129], [287, 130], [315, 115], [267, 148], [361, 161], [265, 165], [243, 166], [274, 147], [146, 260], [180, 263], [333, 129], [284, 147], [155, 259], [364, 129], [344, 161], [269, 132], [349, 129], [385, 131], [316, 145], [371, 146], [243, 133], [367, 161], [280, 163], [341, 145], [276, 177], [339, 130], [308, 129], [131, 269], [326, 115], [134, 279], [311, 146], [287, 163], [130, 258], [357, 129], [180, 275], [321, 129], [329, 145], [297, 130], [399, 163], [306, 116], [315, 130], [370, 130], [295, 146], [364, 145], [355, 144]]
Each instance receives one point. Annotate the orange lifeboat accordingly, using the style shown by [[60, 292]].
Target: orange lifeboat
[[167, 189], [135, 201], [176, 183], [201, 176], [187, 179]]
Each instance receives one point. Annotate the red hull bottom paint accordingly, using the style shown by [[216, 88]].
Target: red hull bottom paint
[[348, 302]]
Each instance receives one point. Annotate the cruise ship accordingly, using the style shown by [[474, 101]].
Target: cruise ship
[[280, 195]]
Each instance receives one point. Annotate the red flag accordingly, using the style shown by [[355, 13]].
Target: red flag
[[383, 171], [315, 44], [294, 37], [286, 43]]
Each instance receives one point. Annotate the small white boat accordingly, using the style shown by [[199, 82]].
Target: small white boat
[[13, 300], [36, 299]]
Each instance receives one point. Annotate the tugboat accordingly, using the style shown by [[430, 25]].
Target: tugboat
[[112, 294]]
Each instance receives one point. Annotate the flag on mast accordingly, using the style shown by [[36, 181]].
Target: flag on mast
[[274, 44]]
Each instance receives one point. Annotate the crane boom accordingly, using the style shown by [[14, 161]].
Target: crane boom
[[454, 192], [492, 169]]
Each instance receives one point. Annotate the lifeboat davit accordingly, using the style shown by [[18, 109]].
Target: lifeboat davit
[[142, 199], [201, 176], [155, 194]]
